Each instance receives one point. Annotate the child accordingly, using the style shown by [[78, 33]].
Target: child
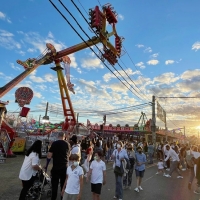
[[74, 180], [160, 167], [98, 175]]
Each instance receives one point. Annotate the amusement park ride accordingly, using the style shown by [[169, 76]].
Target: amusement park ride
[[111, 52]]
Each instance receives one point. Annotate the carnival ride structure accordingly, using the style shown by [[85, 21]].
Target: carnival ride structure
[[111, 52]]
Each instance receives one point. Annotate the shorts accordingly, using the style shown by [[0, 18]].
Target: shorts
[[139, 173], [96, 188]]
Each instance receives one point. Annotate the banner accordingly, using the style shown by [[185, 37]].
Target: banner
[[19, 145], [161, 114]]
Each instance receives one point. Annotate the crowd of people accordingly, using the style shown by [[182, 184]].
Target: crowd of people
[[75, 159]]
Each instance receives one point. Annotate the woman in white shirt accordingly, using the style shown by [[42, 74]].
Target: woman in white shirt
[[30, 167]]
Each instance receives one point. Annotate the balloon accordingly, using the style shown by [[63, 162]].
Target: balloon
[[23, 95]]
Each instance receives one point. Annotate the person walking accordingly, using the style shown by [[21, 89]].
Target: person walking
[[97, 173], [89, 153], [174, 162], [119, 156], [30, 167], [150, 152], [59, 151], [72, 188], [139, 167], [128, 178], [190, 163]]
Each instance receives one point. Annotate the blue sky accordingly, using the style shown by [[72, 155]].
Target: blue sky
[[162, 39]]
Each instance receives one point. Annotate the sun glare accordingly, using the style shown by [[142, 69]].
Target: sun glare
[[198, 127]]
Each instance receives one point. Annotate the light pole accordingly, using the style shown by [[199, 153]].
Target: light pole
[[45, 119]]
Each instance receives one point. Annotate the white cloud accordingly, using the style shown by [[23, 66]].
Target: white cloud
[[148, 49], [36, 79], [152, 62], [79, 70], [3, 17], [168, 62], [7, 41], [166, 78], [21, 53], [140, 65], [155, 55], [50, 78], [139, 45], [5, 33], [196, 46], [31, 50], [37, 94], [73, 60], [41, 87], [190, 74], [120, 16], [128, 71], [15, 67], [50, 35], [92, 63]]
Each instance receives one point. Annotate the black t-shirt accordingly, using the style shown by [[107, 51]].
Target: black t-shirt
[[83, 145], [61, 151]]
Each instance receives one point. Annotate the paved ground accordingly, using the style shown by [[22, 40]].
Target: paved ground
[[156, 187]]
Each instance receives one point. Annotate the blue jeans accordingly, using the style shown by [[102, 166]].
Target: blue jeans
[[118, 186], [83, 155]]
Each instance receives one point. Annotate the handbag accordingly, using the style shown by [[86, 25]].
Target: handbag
[[119, 170]]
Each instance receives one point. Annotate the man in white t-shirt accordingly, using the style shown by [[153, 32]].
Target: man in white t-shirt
[[98, 175], [72, 188]]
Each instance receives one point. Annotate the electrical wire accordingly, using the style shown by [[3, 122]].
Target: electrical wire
[[97, 36], [91, 48]]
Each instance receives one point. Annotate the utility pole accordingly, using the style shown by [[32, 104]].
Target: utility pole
[[184, 134], [45, 118], [153, 123], [166, 127]]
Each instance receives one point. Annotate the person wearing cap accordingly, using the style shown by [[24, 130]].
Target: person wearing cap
[[139, 167]]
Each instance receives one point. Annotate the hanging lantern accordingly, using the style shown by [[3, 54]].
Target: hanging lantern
[[23, 96]]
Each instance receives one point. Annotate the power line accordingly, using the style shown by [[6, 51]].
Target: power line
[[95, 44], [179, 97], [90, 47]]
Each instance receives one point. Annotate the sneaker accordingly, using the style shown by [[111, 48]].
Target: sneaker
[[140, 188], [197, 192], [120, 199], [167, 169], [164, 174], [137, 190], [189, 185], [167, 175], [179, 176], [183, 169], [157, 173]]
